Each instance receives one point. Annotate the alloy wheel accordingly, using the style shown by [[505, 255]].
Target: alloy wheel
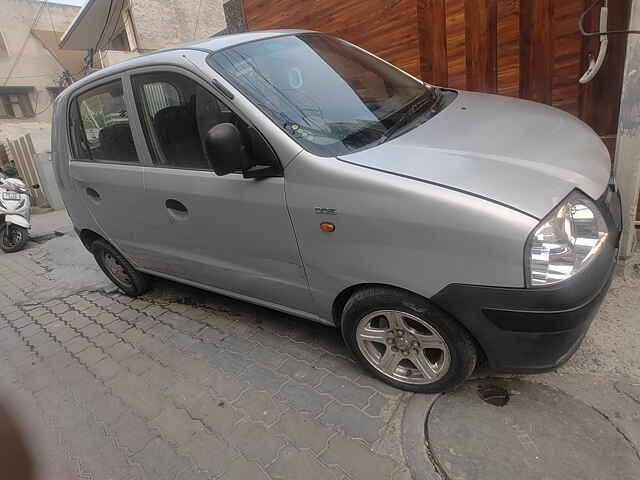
[[403, 347]]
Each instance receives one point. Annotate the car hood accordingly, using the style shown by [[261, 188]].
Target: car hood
[[522, 154]]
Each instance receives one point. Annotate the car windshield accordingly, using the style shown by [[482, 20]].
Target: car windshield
[[330, 96]]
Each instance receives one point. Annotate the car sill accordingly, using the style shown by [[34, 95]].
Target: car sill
[[245, 298]]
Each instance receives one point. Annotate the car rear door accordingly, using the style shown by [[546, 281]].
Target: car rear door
[[224, 232], [105, 167]]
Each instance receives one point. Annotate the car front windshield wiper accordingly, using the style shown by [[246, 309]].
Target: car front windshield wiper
[[412, 110]]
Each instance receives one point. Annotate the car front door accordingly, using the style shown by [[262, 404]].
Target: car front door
[[105, 167], [223, 232]]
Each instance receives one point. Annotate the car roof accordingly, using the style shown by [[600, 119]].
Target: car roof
[[210, 45]]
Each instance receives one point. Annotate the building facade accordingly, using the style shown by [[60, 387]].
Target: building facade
[[32, 67], [115, 30]]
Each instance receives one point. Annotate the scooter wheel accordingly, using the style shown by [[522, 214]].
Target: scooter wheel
[[13, 238]]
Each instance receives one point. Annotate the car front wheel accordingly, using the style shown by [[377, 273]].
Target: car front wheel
[[406, 341]]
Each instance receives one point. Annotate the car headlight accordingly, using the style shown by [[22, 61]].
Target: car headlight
[[565, 242]]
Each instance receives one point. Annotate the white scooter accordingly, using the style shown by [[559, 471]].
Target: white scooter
[[15, 214]]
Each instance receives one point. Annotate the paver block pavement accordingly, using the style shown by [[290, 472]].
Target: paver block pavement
[[304, 399], [132, 432], [303, 431], [77, 345], [188, 392], [105, 340], [138, 363], [106, 369], [294, 463], [175, 425], [345, 390], [352, 421], [244, 469], [91, 356], [264, 379], [159, 461], [121, 351], [256, 442], [209, 453], [219, 416], [357, 460], [302, 372], [260, 406], [146, 400]]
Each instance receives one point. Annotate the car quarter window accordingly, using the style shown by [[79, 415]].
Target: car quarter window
[[99, 125], [176, 113]]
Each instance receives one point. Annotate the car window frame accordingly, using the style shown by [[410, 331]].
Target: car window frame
[[126, 95], [204, 83]]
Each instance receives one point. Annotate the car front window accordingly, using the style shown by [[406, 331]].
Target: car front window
[[330, 96]]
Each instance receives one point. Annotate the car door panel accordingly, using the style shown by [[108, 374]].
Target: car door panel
[[226, 232], [236, 234], [104, 166], [110, 191]]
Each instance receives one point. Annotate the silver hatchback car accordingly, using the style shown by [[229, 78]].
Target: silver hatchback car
[[436, 228]]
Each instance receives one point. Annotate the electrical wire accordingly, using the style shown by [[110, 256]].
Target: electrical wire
[[35, 114], [597, 34], [53, 27], [104, 27], [113, 31], [115, 27]]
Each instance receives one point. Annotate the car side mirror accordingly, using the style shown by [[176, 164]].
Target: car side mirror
[[225, 149]]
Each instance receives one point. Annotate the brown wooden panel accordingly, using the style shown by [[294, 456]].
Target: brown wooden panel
[[388, 28], [508, 46], [433, 41], [480, 38], [600, 99], [456, 44], [536, 47], [567, 46], [526, 48]]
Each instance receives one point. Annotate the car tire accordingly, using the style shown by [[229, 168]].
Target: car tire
[[392, 332], [13, 238], [132, 282]]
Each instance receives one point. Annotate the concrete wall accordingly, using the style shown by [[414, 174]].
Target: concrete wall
[[36, 67], [627, 161], [166, 23], [48, 181]]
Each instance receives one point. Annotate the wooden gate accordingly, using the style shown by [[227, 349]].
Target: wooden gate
[[23, 154], [524, 48]]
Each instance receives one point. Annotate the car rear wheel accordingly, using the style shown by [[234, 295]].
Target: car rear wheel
[[13, 238], [119, 270], [406, 341]]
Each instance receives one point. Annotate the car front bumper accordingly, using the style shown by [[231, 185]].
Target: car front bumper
[[537, 329]]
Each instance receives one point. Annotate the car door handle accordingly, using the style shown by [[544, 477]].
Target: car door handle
[[93, 194], [176, 209]]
